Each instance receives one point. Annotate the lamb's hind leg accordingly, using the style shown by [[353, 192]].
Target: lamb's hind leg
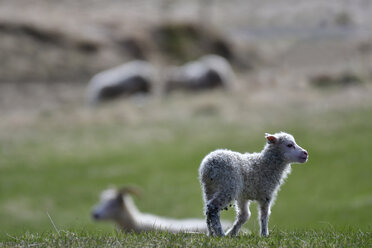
[[213, 208], [243, 214]]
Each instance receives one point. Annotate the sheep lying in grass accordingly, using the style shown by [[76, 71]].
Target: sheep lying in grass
[[208, 72], [227, 176], [118, 206], [130, 78]]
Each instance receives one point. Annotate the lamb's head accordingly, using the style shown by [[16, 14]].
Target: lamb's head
[[287, 146], [113, 203]]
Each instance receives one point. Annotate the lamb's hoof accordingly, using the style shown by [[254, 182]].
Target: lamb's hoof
[[231, 233], [221, 234], [214, 234]]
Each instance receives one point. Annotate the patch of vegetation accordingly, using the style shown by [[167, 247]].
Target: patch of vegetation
[[309, 238], [187, 41], [37, 53], [68, 56], [343, 19], [46, 36], [331, 81]]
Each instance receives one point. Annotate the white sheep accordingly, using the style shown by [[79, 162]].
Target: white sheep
[[210, 71], [227, 176], [130, 78], [118, 206]]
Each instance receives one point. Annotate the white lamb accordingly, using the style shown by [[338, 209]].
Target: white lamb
[[118, 206], [227, 176], [130, 78]]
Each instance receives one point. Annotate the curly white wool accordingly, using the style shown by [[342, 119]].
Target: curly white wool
[[227, 176]]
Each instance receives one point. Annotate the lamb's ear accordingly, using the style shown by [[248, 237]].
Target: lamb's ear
[[129, 190], [271, 139]]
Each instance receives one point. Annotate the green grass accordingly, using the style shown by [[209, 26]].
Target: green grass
[[58, 169], [309, 238]]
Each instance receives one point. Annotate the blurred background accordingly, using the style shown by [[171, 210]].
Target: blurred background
[[304, 67]]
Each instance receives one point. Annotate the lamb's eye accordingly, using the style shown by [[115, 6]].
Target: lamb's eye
[[290, 145]]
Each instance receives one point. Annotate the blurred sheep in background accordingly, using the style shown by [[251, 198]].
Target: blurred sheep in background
[[209, 72], [128, 79]]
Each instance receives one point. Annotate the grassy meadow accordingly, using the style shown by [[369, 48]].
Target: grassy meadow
[[310, 238], [303, 67], [58, 163]]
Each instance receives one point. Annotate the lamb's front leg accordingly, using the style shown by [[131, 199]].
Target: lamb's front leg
[[243, 214], [264, 217]]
